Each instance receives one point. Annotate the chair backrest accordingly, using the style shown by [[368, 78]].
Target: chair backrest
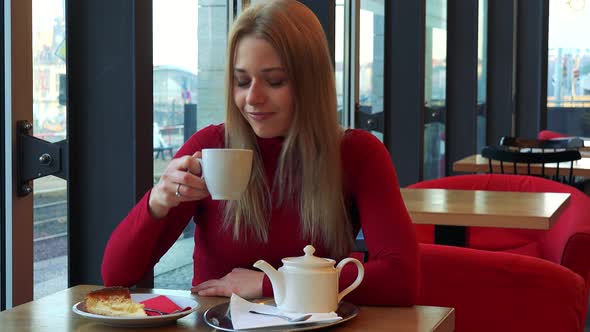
[[564, 143], [515, 157]]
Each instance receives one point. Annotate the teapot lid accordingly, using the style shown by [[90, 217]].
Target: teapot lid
[[309, 260]]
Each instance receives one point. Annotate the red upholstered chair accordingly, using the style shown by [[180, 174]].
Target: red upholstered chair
[[514, 280], [498, 291], [567, 243], [548, 134]]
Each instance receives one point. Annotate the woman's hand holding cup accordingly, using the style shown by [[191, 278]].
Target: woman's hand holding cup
[[178, 183]]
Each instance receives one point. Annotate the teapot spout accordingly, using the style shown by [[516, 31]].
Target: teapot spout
[[276, 279]]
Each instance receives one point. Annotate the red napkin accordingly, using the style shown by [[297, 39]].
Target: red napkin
[[162, 303]]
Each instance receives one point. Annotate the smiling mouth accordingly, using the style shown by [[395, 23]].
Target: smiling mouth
[[260, 115]]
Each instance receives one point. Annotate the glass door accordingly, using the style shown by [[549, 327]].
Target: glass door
[[35, 229]]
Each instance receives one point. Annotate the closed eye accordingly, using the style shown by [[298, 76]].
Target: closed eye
[[242, 83], [276, 83]]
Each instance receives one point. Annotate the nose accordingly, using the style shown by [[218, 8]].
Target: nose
[[256, 95]]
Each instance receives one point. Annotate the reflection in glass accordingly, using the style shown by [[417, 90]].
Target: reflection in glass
[[435, 88], [339, 56], [50, 241], [371, 55], [189, 39], [482, 46], [568, 71]]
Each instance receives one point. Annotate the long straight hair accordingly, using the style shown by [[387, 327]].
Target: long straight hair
[[309, 170]]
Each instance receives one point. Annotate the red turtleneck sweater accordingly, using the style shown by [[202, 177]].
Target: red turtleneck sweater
[[391, 272]]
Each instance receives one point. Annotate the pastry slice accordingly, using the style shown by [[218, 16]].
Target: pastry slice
[[113, 301]]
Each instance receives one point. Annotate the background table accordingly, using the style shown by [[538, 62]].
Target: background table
[[451, 210], [478, 164], [54, 313], [484, 208]]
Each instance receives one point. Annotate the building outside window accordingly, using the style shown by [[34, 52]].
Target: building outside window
[[568, 71], [189, 41]]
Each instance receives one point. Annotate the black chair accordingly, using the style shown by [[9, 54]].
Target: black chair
[[537, 145], [504, 154]]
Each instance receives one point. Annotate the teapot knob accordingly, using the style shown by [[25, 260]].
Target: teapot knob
[[309, 250]]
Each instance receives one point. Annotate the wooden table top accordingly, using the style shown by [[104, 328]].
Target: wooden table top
[[54, 313], [484, 208], [478, 164]]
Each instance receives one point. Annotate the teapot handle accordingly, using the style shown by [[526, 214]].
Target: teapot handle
[[359, 277]]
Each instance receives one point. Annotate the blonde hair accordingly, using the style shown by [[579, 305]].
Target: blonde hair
[[310, 162]]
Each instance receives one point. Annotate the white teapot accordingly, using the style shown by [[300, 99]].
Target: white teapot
[[309, 283]]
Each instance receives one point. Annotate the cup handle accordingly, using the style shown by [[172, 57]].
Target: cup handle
[[200, 160], [359, 277]]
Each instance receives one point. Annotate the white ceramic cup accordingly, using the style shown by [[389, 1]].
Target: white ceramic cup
[[226, 172]]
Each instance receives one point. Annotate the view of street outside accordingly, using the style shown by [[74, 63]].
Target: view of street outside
[[568, 68], [189, 38], [435, 84], [435, 75], [568, 74], [49, 123]]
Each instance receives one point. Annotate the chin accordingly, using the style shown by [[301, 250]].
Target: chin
[[267, 133]]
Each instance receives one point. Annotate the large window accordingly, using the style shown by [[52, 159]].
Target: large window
[[435, 88], [371, 55], [359, 55], [339, 56], [189, 58], [482, 46], [49, 123], [568, 72]]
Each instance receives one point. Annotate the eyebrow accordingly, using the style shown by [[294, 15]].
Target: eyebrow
[[265, 70]]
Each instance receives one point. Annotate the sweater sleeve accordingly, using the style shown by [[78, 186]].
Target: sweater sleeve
[[140, 240], [391, 272]]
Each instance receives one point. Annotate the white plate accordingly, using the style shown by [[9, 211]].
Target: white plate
[[181, 301]]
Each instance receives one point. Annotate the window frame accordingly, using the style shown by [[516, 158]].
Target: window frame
[[3, 158]]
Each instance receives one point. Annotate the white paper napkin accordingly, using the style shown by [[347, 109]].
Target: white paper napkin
[[242, 319]]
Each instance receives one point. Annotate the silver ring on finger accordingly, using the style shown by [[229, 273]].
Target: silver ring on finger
[[177, 193]]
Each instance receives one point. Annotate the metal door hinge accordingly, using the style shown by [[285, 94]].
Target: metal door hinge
[[366, 120], [37, 158]]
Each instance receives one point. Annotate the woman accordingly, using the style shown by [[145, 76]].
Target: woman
[[312, 182]]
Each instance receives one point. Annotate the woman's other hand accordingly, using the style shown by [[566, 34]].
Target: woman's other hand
[[178, 184], [243, 282]]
